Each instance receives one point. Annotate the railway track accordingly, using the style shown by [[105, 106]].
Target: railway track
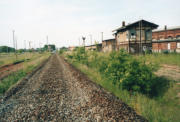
[[59, 92]]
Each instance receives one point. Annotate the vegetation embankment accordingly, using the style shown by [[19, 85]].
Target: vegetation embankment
[[10, 58], [28, 66], [132, 80], [162, 58]]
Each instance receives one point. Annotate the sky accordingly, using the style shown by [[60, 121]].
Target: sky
[[66, 21]]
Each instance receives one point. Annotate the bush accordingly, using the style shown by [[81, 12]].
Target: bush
[[165, 51], [116, 66], [121, 69], [80, 55], [138, 77]]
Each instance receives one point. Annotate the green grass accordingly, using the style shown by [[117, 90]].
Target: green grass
[[13, 78], [164, 108], [159, 58], [9, 58]]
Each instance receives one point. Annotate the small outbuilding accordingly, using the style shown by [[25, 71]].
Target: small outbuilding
[[108, 45]]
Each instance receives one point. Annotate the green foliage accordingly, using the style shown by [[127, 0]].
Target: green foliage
[[138, 77], [117, 66], [10, 80], [1, 62], [160, 58], [161, 106], [14, 77], [6, 49], [51, 47], [165, 51], [62, 50], [80, 55], [123, 70]]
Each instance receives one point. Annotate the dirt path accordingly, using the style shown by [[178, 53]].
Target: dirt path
[[58, 92], [169, 71], [6, 70]]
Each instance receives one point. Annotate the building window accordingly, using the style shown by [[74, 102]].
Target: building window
[[178, 36], [170, 37], [169, 46], [133, 36], [178, 45]]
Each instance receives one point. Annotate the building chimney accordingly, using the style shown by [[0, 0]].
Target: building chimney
[[123, 23], [165, 27]]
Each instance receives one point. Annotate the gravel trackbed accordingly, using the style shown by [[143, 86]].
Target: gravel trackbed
[[59, 92]]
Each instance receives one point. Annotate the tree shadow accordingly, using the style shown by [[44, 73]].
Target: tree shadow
[[160, 86]]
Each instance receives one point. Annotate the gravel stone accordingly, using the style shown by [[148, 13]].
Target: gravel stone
[[59, 92]]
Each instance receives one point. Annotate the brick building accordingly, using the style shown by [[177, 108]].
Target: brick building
[[166, 33], [97, 47], [172, 45], [167, 39], [135, 37]]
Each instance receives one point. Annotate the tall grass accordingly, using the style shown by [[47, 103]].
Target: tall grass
[[9, 58], [13, 78], [160, 58]]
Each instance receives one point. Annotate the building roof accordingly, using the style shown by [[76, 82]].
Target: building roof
[[108, 40], [94, 45], [136, 24], [169, 28], [166, 40]]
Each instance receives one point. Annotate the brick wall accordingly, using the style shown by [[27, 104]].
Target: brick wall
[[165, 34], [173, 45], [160, 46]]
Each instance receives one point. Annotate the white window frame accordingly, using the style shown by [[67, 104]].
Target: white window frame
[[169, 46], [178, 44]]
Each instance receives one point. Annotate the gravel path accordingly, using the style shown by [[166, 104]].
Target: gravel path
[[59, 92]]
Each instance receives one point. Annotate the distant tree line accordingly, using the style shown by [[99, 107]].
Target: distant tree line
[[49, 47], [5, 49]]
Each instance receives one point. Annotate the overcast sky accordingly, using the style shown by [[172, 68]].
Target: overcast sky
[[64, 21]]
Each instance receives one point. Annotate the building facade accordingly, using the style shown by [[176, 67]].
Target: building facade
[[166, 33], [97, 47], [135, 37], [108, 45], [167, 39], [172, 45]]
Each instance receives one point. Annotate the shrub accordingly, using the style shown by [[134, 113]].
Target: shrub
[[121, 69], [116, 66], [165, 51], [138, 77], [80, 55]]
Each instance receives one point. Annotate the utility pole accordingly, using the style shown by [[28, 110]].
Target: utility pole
[[102, 35], [84, 38], [24, 45], [140, 36], [14, 42], [7, 48], [47, 40], [79, 42], [25, 49], [29, 45], [15, 45], [47, 43]]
